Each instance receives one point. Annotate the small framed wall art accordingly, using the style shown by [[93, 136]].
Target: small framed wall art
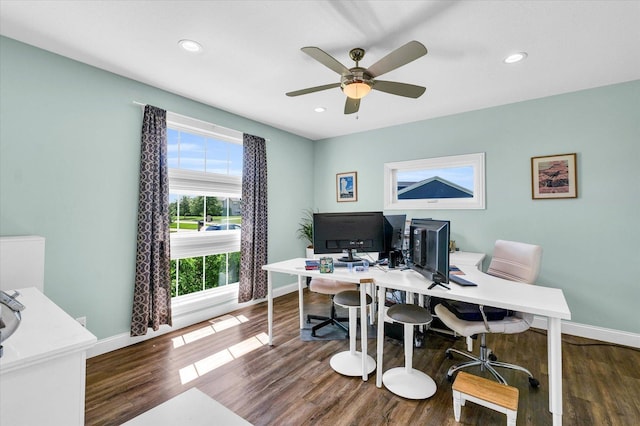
[[554, 176], [347, 186]]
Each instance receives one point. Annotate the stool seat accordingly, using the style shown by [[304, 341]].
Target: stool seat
[[406, 381], [409, 314], [349, 298], [485, 392], [349, 363]]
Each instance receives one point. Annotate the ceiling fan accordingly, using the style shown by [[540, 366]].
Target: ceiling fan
[[357, 82]]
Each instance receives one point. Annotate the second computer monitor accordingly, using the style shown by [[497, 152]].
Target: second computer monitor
[[429, 248]]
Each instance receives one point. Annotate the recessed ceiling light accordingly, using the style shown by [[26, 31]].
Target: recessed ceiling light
[[190, 46], [320, 109], [516, 57]]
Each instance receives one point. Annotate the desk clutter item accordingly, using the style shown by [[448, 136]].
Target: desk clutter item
[[471, 311], [485, 392], [311, 265], [461, 281], [326, 265]]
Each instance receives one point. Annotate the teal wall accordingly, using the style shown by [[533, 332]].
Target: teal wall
[[69, 157], [69, 148], [590, 243]]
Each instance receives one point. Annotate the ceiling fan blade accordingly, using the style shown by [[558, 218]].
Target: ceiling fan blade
[[313, 89], [351, 105], [399, 57], [325, 59], [400, 89]]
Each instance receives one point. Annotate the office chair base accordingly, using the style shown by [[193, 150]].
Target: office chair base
[[412, 385], [350, 364], [337, 321], [487, 363]]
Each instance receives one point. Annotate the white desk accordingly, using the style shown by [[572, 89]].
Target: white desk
[[491, 291], [296, 267]]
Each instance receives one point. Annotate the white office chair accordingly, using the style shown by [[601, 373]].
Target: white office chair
[[512, 261]]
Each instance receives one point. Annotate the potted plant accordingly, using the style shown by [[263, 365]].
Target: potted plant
[[305, 231]]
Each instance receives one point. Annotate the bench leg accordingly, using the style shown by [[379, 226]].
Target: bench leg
[[511, 417], [458, 402]]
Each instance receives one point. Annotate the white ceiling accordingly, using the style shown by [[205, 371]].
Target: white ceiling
[[252, 51]]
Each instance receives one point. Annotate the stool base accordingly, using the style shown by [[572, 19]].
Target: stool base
[[350, 364], [413, 385]]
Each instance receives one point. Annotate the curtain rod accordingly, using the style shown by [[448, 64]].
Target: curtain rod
[[196, 119]]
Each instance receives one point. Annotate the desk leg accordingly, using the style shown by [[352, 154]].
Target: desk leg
[[270, 307], [554, 353], [372, 312], [364, 323], [301, 300], [380, 335]]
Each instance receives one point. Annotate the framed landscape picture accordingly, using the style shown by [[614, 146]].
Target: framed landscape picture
[[554, 176], [347, 186]]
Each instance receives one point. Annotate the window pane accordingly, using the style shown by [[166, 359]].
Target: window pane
[[186, 213], [215, 270], [235, 160], [173, 148], [234, 267], [192, 152], [189, 275]]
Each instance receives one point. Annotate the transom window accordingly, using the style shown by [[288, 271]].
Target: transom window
[[205, 206]]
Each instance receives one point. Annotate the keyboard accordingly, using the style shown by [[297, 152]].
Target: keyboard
[[461, 281]]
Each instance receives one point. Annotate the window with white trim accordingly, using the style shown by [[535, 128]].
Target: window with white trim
[[205, 187]]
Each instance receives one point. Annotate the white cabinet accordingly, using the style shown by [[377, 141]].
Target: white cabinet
[[43, 369]]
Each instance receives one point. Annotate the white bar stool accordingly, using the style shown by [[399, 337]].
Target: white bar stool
[[407, 381], [349, 363]]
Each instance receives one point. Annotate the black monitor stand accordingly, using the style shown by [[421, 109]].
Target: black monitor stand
[[350, 257], [438, 280]]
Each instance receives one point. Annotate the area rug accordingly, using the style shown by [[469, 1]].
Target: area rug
[[190, 408], [329, 332]]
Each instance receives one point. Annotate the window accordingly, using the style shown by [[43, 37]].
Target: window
[[455, 182], [205, 185]]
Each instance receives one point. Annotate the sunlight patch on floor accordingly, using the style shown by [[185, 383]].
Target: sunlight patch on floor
[[217, 325], [210, 363]]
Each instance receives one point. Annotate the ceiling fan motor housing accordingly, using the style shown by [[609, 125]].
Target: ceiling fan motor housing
[[356, 75]]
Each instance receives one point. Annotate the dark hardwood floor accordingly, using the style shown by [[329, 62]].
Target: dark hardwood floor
[[291, 383]]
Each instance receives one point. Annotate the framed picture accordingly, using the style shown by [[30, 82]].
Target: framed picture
[[554, 176], [347, 186]]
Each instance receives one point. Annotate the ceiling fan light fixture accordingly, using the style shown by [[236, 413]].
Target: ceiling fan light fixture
[[356, 90]]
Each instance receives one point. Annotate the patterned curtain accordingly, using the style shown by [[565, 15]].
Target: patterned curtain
[[253, 243], [152, 292]]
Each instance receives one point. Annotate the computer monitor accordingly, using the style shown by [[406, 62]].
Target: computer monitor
[[393, 239], [350, 232], [394, 231], [429, 248]]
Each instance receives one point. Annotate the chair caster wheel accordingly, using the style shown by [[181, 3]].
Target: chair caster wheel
[[492, 357], [534, 382], [448, 355], [449, 378]]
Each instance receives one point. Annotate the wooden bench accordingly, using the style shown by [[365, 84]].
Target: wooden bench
[[485, 392]]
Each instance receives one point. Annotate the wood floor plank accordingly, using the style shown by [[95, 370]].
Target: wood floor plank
[[292, 383]]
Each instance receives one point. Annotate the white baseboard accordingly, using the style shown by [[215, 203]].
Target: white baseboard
[[123, 340], [593, 332]]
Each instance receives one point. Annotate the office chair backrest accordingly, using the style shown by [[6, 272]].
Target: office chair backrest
[[516, 261]]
